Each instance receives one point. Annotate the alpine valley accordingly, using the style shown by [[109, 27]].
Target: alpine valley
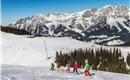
[[108, 25]]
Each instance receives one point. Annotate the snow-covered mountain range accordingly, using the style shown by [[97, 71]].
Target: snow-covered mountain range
[[109, 24]]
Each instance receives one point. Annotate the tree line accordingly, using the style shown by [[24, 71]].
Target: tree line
[[14, 30], [109, 60]]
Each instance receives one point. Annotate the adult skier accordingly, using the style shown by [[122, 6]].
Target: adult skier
[[75, 67], [52, 66], [87, 68], [58, 67]]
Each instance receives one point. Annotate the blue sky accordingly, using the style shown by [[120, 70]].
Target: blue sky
[[13, 10]]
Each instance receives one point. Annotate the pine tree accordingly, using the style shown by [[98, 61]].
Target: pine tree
[[109, 60], [128, 59]]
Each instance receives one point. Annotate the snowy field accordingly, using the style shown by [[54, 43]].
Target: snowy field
[[29, 52], [20, 50], [44, 73]]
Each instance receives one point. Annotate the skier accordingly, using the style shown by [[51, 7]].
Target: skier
[[87, 68], [75, 67], [68, 68], [58, 67], [52, 66]]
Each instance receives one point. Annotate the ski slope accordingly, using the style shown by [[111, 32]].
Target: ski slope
[[20, 50], [11, 72], [29, 52]]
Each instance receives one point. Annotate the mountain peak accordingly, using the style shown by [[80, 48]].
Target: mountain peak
[[85, 23], [107, 6]]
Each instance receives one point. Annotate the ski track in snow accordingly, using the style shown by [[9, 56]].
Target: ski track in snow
[[13, 72]]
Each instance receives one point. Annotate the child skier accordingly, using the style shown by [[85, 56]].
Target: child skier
[[87, 68], [75, 67], [52, 66], [68, 68], [58, 67]]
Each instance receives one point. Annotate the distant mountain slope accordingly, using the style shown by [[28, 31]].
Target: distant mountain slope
[[125, 44], [93, 25]]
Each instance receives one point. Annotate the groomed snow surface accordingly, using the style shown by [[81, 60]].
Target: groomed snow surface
[[30, 54], [44, 73]]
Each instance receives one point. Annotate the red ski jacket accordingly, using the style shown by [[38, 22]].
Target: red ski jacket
[[58, 65], [76, 65]]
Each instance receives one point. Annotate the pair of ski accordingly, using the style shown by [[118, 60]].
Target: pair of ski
[[83, 73], [78, 73]]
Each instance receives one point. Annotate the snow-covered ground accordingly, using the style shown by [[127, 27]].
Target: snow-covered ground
[[20, 50], [44, 73]]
